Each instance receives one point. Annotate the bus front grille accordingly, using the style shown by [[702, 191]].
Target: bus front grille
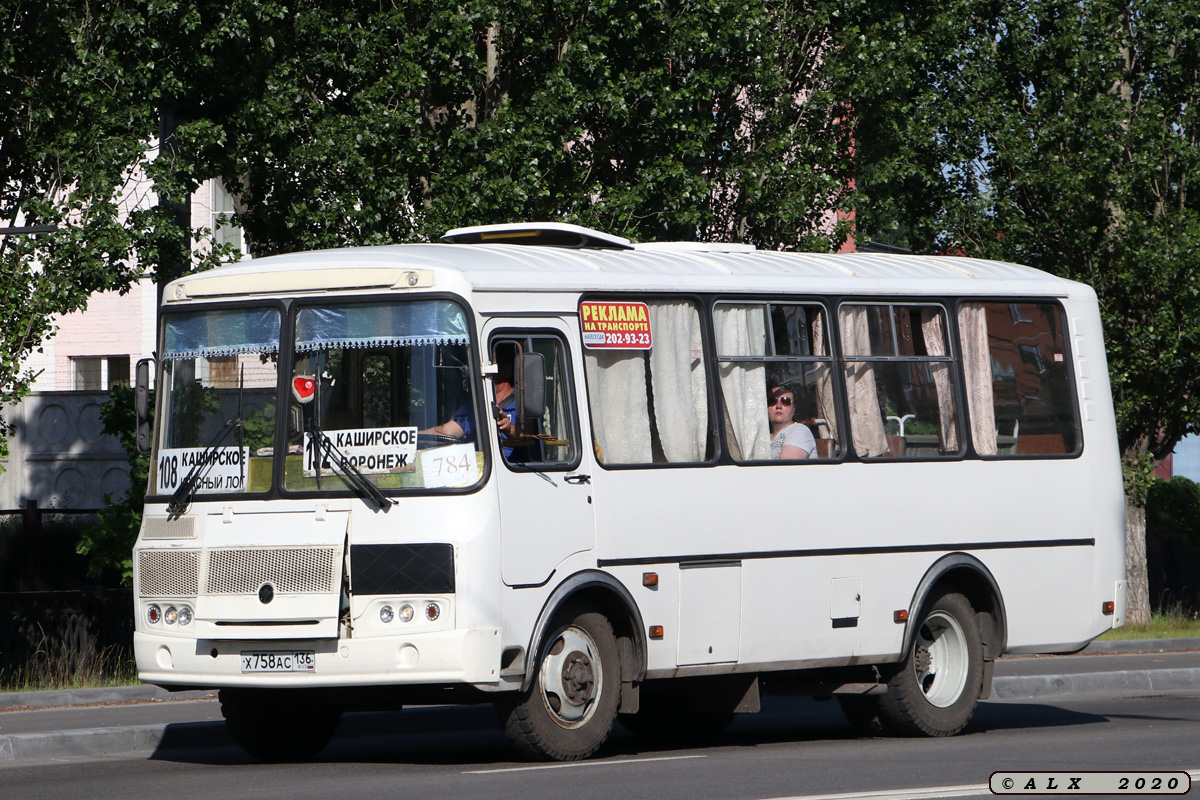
[[290, 570], [168, 573]]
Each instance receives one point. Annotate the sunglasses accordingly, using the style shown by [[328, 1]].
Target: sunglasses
[[787, 401]]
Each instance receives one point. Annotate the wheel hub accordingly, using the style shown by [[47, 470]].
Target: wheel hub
[[578, 677]]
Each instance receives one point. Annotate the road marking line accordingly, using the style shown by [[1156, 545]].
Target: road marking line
[[580, 764], [920, 794], [902, 794]]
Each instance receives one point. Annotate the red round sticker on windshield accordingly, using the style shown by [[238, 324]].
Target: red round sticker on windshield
[[304, 388]]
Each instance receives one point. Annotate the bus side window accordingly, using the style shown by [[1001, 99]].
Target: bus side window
[[548, 440], [651, 406], [776, 381], [900, 381], [1019, 392]]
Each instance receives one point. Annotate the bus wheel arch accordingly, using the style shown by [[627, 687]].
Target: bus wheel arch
[[968, 576], [603, 593], [585, 660]]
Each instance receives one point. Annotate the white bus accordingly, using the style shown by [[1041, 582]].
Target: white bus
[[539, 466]]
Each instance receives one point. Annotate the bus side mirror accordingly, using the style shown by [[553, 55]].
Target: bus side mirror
[[141, 403], [531, 402]]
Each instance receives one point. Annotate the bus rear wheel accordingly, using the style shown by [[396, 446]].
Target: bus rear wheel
[[936, 689], [278, 725], [571, 705]]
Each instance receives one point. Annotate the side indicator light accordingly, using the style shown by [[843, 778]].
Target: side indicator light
[[900, 615], [650, 579], [656, 631], [1109, 608]]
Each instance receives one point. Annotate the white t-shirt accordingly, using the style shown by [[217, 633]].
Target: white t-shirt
[[794, 435]]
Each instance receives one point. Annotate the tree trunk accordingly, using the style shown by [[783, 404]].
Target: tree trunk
[[1137, 610]]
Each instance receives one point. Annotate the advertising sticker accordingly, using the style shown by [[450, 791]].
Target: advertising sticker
[[615, 326]]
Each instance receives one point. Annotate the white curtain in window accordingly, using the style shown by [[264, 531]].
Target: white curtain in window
[[825, 407], [677, 378], [866, 420], [741, 330], [977, 366], [935, 344], [619, 405]]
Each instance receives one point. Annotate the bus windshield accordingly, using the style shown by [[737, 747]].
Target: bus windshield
[[218, 397], [369, 383]]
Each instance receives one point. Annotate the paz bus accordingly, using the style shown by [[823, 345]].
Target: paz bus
[[532, 465]]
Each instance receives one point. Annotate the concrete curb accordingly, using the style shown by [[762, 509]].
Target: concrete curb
[[1143, 646], [1025, 687], [79, 697]]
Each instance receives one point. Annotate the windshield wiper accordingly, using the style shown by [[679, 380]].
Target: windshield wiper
[[328, 453], [204, 464]]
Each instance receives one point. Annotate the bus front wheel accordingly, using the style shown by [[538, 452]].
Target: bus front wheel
[[936, 689], [571, 705]]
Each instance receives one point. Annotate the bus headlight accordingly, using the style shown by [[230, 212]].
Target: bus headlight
[[185, 616], [170, 615], [406, 613], [386, 614]]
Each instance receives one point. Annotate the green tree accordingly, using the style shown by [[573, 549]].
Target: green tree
[[382, 123], [70, 141], [108, 545], [1059, 135], [80, 103]]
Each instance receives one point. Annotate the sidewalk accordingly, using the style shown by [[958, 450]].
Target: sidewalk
[[143, 720]]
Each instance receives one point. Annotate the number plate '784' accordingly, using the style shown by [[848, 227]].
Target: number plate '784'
[[296, 661]]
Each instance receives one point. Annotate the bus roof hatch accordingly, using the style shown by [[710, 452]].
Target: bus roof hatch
[[553, 234]]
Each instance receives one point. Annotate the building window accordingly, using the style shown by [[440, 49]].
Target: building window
[[223, 208], [95, 373]]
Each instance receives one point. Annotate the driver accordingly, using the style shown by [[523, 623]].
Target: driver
[[461, 424]]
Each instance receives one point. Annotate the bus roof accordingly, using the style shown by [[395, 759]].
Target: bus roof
[[659, 267]]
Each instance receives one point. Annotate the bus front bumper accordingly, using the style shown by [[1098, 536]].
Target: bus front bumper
[[467, 656]]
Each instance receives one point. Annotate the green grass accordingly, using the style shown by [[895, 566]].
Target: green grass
[[55, 667], [1163, 625]]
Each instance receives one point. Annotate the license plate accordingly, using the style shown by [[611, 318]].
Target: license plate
[[296, 661]]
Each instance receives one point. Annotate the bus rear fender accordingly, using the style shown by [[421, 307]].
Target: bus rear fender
[[967, 575], [604, 593]]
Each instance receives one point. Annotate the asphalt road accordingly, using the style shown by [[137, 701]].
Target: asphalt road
[[796, 748]]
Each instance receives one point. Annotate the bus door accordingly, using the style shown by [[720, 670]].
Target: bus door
[[543, 470]]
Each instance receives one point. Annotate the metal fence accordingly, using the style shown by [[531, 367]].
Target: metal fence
[[64, 632], [37, 548]]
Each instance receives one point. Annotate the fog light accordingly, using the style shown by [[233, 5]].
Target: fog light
[[432, 611], [153, 614], [170, 615], [386, 614], [185, 615], [406, 613]]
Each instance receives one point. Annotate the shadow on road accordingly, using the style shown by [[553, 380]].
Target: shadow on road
[[470, 735]]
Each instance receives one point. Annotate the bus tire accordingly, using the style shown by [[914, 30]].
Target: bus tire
[[278, 725], [572, 702], [937, 686]]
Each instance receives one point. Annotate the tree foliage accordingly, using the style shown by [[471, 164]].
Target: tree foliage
[[78, 125], [68, 139], [383, 123], [1063, 136], [108, 545], [1059, 135]]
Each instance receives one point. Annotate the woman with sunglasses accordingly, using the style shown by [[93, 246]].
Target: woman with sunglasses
[[789, 439]]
